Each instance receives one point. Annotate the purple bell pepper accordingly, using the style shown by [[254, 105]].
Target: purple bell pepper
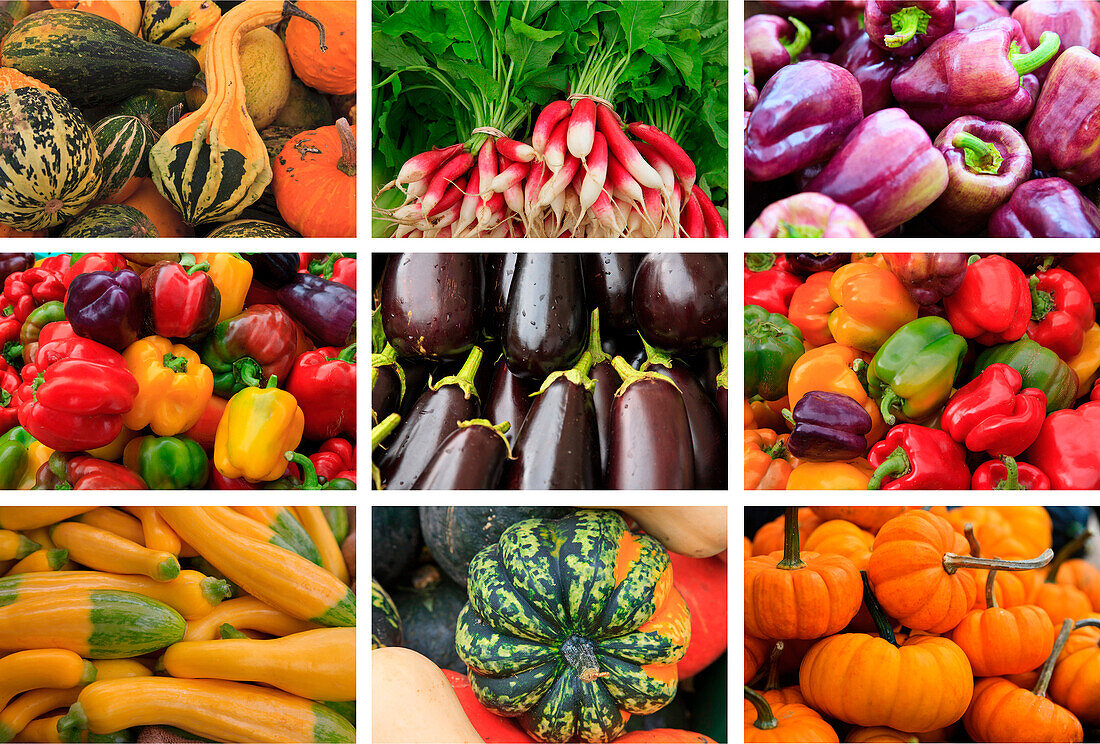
[[13, 262], [971, 13], [873, 68], [105, 306], [844, 23], [773, 43], [802, 116], [887, 170], [907, 27], [801, 8], [986, 162], [1046, 208], [808, 215], [1064, 132], [928, 277], [752, 95], [326, 309], [1075, 22], [827, 427], [982, 71]]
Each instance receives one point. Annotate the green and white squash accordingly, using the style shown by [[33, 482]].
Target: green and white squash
[[385, 621], [252, 229], [154, 108], [49, 163], [124, 144], [111, 221], [572, 625], [179, 24]]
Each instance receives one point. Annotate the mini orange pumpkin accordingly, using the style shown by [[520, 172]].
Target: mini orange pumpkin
[[1063, 601], [1083, 575], [756, 650], [789, 723], [842, 538], [868, 517], [1011, 588], [790, 594], [773, 692], [748, 548], [880, 734], [333, 69], [1031, 525], [769, 538], [314, 182], [1076, 679], [993, 529], [665, 736]]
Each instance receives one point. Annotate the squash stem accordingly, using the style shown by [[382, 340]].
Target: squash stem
[[290, 8], [1040, 689], [953, 562], [1064, 553], [765, 719], [972, 539], [346, 163], [990, 587], [580, 655], [773, 667], [882, 623], [792, 560]]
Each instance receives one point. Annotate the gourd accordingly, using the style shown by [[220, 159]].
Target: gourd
[[21, 518], [93, 61], [14, 546], [315, 664], [265, 73], [42, 667], [106, 551], [330, 70], [147, 200], [697, 531], [402, 681], [179, 24], [315, 182], [572, 624], [386, 627], [245, 613], [784, 722], [126, 13], [157, 109], [212, 164], [251, 229], [111, 221], [429, 610], [304, 109], [756, 650], [286, 525], [124, 144], [49, 166], [114, 520], [249, 527], [313, 521], [45, 559]]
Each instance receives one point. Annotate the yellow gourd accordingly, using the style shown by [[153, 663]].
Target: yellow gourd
[[44, 667], [245, 613], [14, 546], [315, 524], [126, 13], [44, 559], [29, 517], [265, 72], [111, 519], [106, 551], [155, 531]]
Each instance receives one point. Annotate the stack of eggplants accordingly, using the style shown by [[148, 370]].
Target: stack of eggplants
[[549, 371]]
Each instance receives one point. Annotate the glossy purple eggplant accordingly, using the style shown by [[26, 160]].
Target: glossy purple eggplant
[[499, 268], [608, 284], [431, 304], [417, 372], [650, 434], [773, 43], [827, 427], [681, 300], [471, 457], [545, 319], [1046, 208], [1076, 23], [558, 446], [907, 27], [872, 68], [509, 400], [435, 415], [387, 384]]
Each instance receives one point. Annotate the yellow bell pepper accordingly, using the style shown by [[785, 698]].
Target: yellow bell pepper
[[258, 426], [1087, 361], [112, 451], [37, 455], [173, 386], [232, 276], [871, 303], [828, 476]]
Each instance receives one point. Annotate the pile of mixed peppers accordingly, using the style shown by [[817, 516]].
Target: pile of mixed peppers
[[922, 371], [922, 118], [177, 371]]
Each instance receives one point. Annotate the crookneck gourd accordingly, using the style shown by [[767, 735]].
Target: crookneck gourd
[[179, 24], [572, 625], [213, 163]]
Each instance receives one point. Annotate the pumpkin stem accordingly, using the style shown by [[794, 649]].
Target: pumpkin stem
[[346, 164], [1088, 622], [882, 623], [792, 560], [765, 719], [990, 585], [580, 655], [972, 540], [290, 7], [953, 562], [1040, 689], [1064, 553], [773, 667]]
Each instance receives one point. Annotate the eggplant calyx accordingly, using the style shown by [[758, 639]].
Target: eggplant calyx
[[655, 357], [722, 380], [595, 347], [578, 375], [629, 376], [499, 429], [388, 358], [465, 377]]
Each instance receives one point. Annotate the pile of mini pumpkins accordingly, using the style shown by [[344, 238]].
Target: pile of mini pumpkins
[[176, 118], [894, 623]]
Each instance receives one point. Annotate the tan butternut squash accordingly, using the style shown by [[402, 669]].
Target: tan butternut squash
[[403, 680], [696, 531]]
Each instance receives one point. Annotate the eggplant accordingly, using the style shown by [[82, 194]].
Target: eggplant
[[650, 434], [499, 269], [544, 325], [558, 446], [417, 373], [606, 381], [608, 285], [472, 456], [386, 387], [378, 268], [433, 418], [509, 400], [681, 300], [431, 304], [378, 434]]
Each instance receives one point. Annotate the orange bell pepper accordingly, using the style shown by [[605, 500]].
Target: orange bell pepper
[[259, 425], [768, 464], [811, 305], [1087, 361], [828, 476], [874, 259], [872, 303], [232, 276], [829, 368], [173, 386], [766, 414]]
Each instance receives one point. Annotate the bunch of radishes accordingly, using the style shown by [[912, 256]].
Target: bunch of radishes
[[581, 176]]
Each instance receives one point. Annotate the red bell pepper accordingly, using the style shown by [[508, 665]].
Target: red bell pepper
[[181, 301], [219, 482], [916, 457], [84, 473], [74, 394], [992, 414], [993, 303], [93, 262], [1061, 312], [26, 290], [323, 383], [10, 326], [334, 266], [59, 263], [1066, 448], [1086, 267], [768, 283], [1008, 475], [335, 459], [9, 385], [207, 426]]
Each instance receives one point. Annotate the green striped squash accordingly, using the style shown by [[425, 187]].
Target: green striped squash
[[252, 229], [49, 163], [385, 622], [179, 24], [153, 107], [124, 144], [111, 221]]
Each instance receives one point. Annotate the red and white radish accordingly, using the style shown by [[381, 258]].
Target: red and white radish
[[425, 164], [555, 147], [662, 166], [510, 176], [691, 220], [451, 196], [683, 165], [711, 219], [486, 168], [582, 128], [545, 124], [559, 181], [624, 151], [444, 177], [470, 201], [512, 149], [595, 172]]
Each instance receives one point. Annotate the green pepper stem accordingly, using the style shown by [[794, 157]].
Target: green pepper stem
[[175, 363], [1048, 46], [1012, 475], [790, 230], [979, 156], [765, 719], [882, 623], [792, 559], [758, 262], [309, 472], [800, 41], [788, 416], [204, 266], [896, 464], [886, 405], [907, 23], [1040, 689], [1042, 302]]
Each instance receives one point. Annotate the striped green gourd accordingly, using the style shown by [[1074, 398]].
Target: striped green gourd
[[179, 24], [252, 229], [124, 143], [385, 622], [111, 221], [49, 165]]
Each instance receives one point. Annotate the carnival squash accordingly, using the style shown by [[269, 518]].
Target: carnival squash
[[124, 144], [696, 531], [330, 70], [126, 13], [413, 701], [179, 24], [385, 620], [251, 229], [492, 728], [573, 624], [111, 221], [315, 182], [157, 109]]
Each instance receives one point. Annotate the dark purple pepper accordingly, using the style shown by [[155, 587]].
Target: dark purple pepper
[[471, 457], [1046, 208], [828, 427], [751, 93], [929, 277], [774, 43], [1076, 23], [872, 68], [907, 27], [13, 262], [105, 306], [801, 8], [971, 13], [325, 309], [509, 400], [804, 264], [1064, 131]]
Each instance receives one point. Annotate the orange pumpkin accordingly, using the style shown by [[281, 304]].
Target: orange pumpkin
[[150, 202], [126, 13], [1031, 525], [993, 530], [1010, 589], [790, 594], [880, 734], [789, 723], [314, 182], [666, 736], [842, 538], [769, 538], [1076, 679], [773, 692], [1083, 575], [748, 548], [1001, 711], [333, 70], [756, 650], [1062, 601], [868, 517]]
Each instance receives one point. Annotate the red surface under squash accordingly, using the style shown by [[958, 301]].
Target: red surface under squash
[[493, 728], [702, 582]]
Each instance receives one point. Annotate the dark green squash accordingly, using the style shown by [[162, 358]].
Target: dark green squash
[[455, 534], [384, 618], [111, 221], [395, 542], [153, 107], [571, 625], [124, 143], [92, 60], [429, 611], [252, 229]]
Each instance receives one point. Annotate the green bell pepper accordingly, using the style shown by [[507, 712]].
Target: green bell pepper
[[912, 373], [772, 345], [168, 463], [309, 481], [13, 456], [1039, 366]]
